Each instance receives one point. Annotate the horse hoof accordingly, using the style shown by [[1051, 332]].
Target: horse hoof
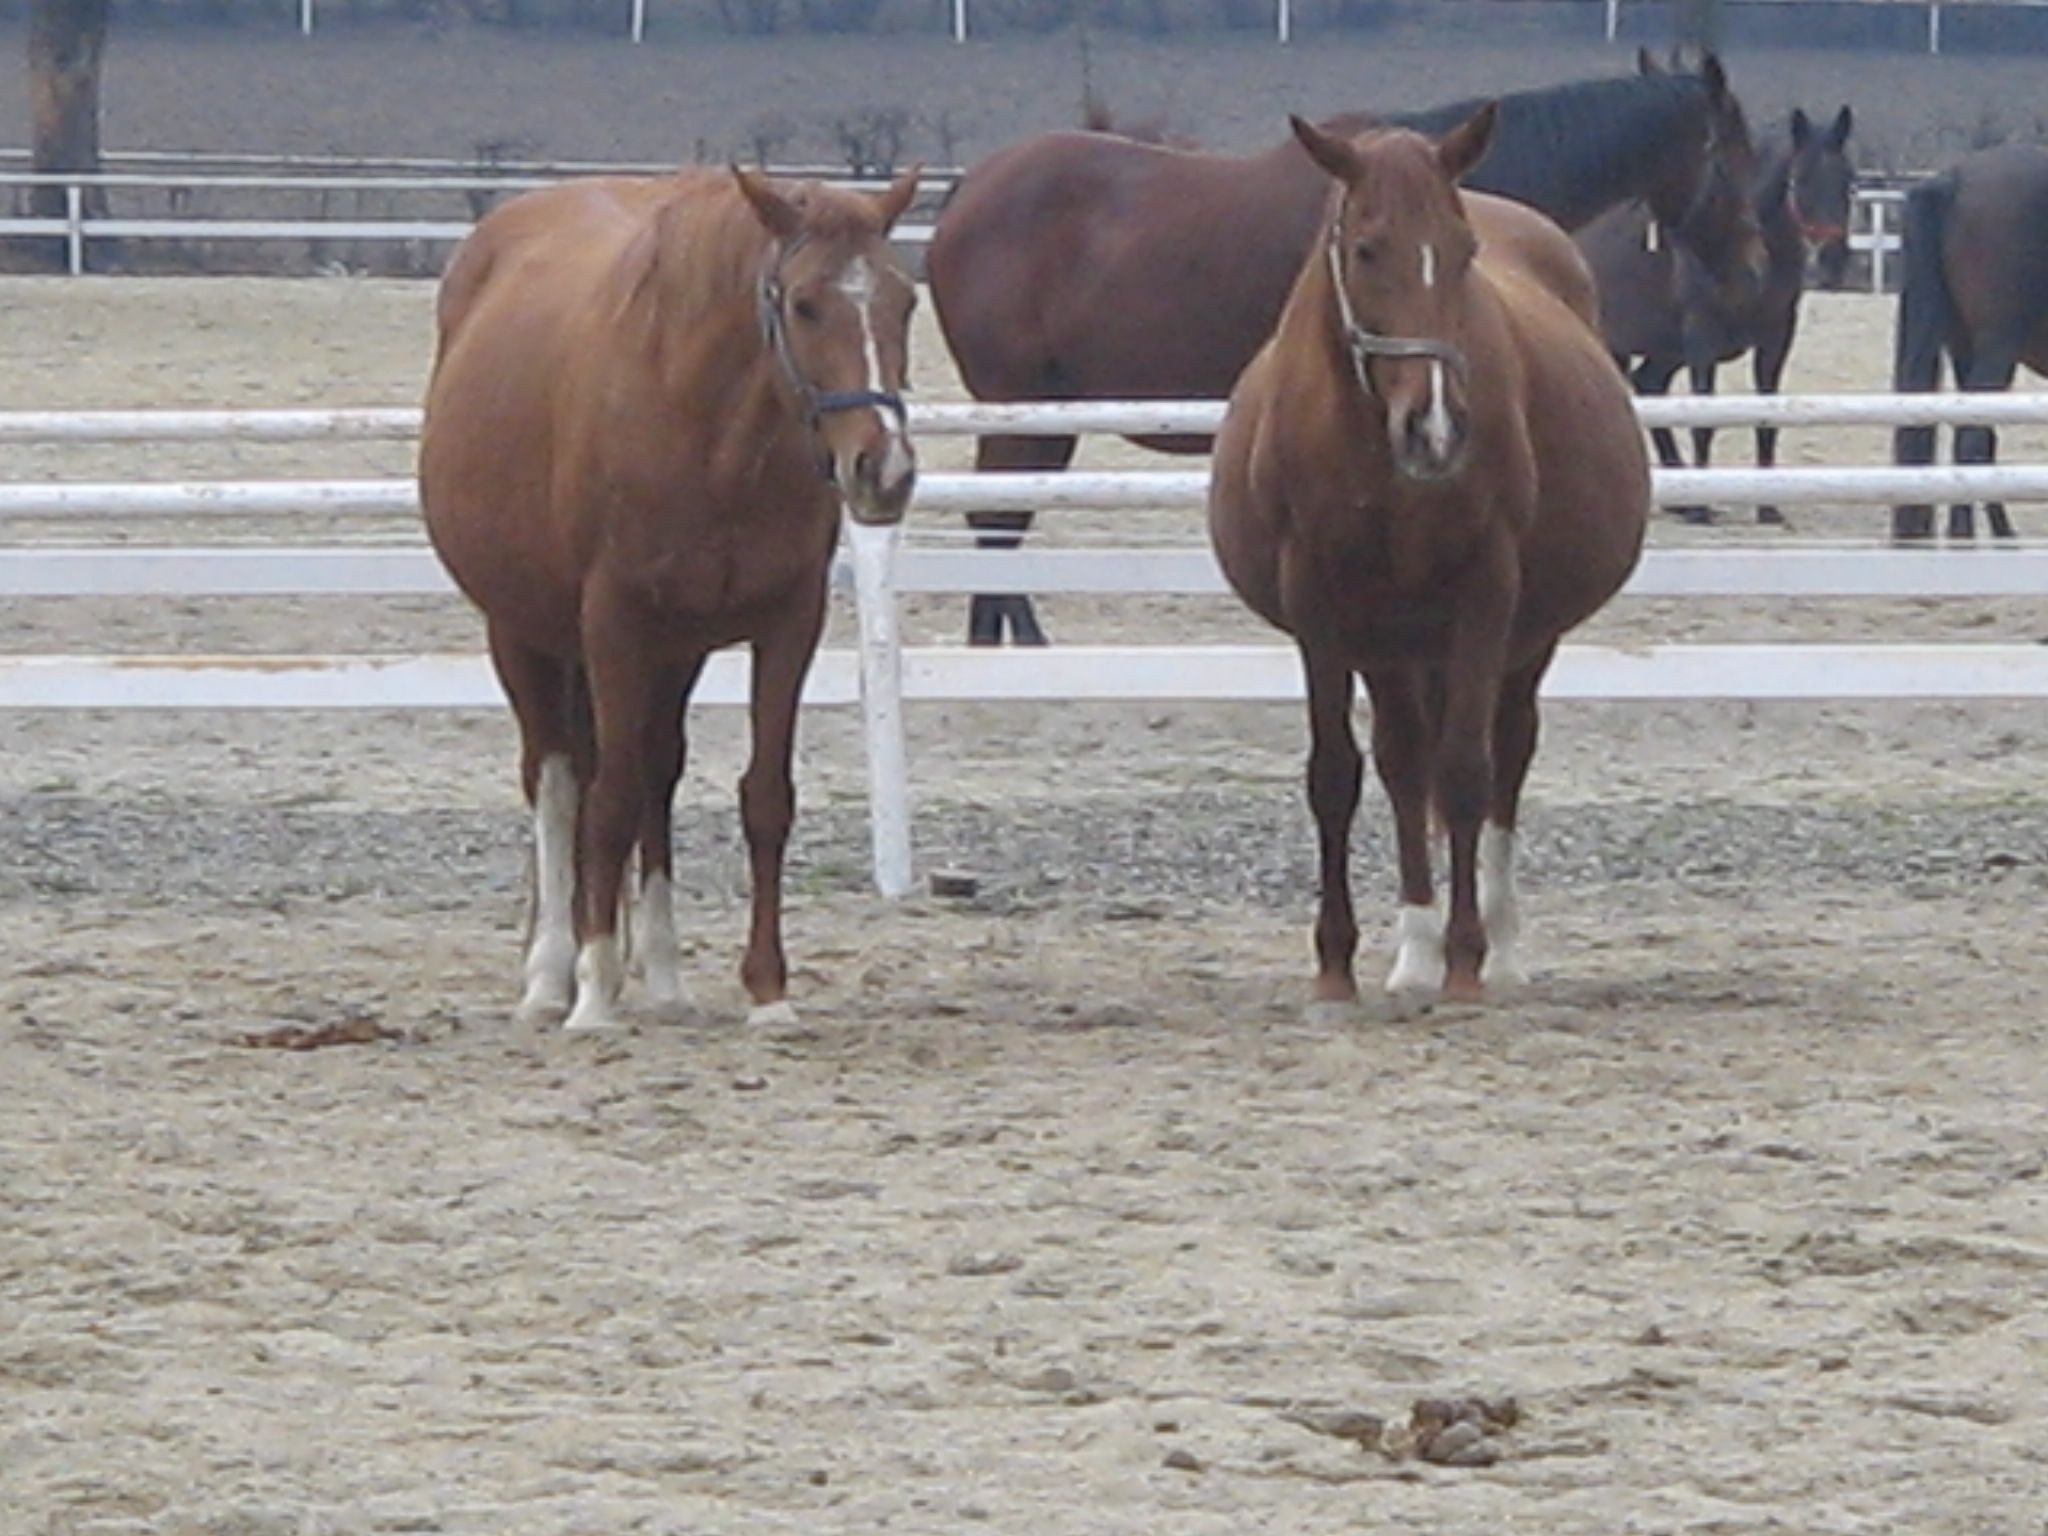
[[1770, 517], [590, 1017], [775, 1015], [539, 1013], [1406, 1003], [1464, 989], [1331, 1013]]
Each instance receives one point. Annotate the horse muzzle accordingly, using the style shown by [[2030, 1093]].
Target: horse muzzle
[[876, 478]]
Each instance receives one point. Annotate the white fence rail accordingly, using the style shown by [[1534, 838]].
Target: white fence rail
[[77, 228], [881, 674]]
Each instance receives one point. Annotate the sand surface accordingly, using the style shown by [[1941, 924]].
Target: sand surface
[[1052, 1215]]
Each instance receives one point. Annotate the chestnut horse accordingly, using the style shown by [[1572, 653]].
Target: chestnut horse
[[1428, 475], [1973, 285], [649, 399], [1084, 266], [1658, 308]]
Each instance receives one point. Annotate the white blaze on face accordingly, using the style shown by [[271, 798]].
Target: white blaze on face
[[857, 282], [1437, 420]]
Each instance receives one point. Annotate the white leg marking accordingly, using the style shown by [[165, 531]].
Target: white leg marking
[[654, 943], [599, 975], [780, 1012], [551, 952], [1419, 967], [1499, 909]]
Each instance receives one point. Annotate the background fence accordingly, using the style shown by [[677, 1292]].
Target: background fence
[[451, 201]]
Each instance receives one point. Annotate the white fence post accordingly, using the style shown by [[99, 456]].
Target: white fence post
[[305, 18], [881, 701], [1875, 209], [74, 228], [639, 20], [1285, 21], [959, 21]]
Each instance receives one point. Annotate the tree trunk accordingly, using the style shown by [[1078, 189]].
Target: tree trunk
[[65, 41]]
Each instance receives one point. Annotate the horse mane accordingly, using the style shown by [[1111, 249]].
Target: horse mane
[[1097, 117], [1557, 137]]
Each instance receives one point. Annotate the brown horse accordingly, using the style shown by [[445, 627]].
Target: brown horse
[[1086, 266], [649, 398], [1428, 475], [1974, 285], [1659, 309]]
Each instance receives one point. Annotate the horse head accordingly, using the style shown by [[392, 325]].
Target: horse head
[[1707, 206], [1399, 253], [835, 316], [1823, 190]]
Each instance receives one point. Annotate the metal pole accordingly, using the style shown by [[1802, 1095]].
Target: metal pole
[[881, 702], [1877, 234], [74, 233], [1613, 19], [1934, 27], [1286, 21], [959, 21], [639, 20], [305, 18]]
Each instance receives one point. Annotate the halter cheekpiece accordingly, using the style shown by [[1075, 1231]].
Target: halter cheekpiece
[[817, 403]]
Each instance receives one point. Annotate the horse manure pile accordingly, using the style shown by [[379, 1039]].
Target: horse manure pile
[[1445, 1431]]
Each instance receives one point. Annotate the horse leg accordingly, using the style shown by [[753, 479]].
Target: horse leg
[[1335, 769], [782, 657], [1653, 378], [1472, 677], [652, 927], [545, 693], [1962, 515], [987, 612], [1767, 369], [1402, 730], [1514, 747], [1990, 369], [626, 697]]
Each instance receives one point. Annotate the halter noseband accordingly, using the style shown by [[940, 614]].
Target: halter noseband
[[1365, 345], [816, 403]]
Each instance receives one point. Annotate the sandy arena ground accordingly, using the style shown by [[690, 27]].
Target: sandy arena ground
[[1052, 1215]]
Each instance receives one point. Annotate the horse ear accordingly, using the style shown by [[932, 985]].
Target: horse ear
[[1838, 131], [891, 203], [1715, 76], [1331, 151], [778, 215], [1465, 145], [1802, 128], [1646, 62]]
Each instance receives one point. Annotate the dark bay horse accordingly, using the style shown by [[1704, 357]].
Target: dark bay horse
[[1084, 266], [1974, 287], [1428, 475], [1660, 312], [649, 398]]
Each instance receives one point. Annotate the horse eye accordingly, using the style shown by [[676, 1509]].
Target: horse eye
[[1363, 252], [806, 311]]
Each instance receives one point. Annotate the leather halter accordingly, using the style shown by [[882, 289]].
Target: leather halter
[[1365, 345], [816, 403]]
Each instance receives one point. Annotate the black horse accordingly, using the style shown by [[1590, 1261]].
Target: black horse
[[1661, 312], [1975, 288]]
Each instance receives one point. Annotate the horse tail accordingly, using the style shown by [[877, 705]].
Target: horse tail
[[1926, 311], [1926, 314]]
